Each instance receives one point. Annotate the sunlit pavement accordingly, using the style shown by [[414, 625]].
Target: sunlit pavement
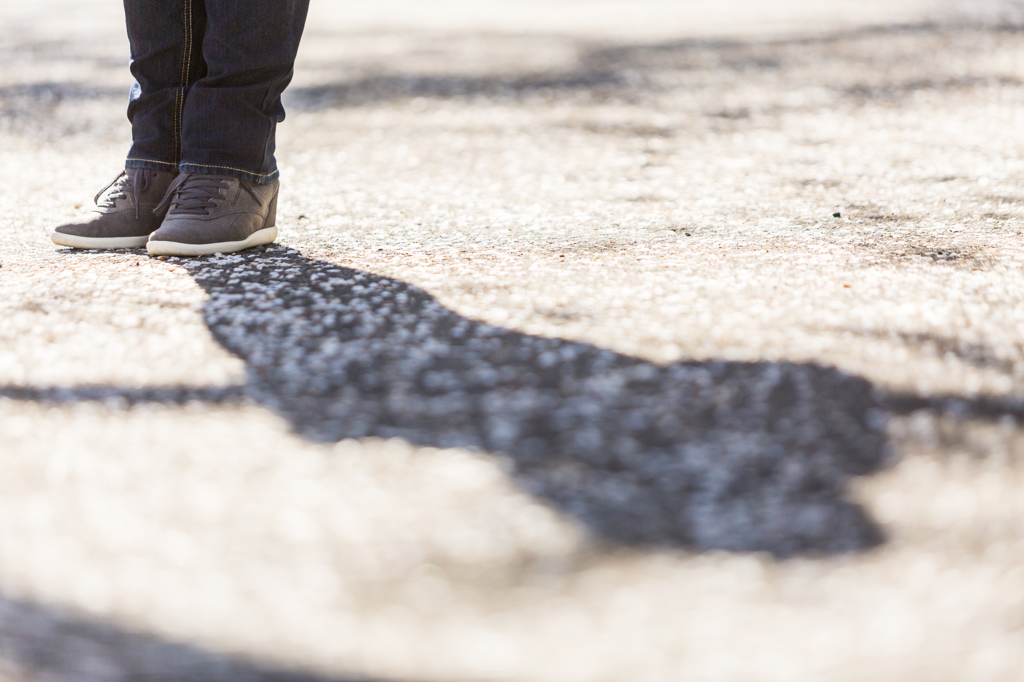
[[604, 340]]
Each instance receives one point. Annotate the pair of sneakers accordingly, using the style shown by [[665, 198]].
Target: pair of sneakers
[[176, 215]]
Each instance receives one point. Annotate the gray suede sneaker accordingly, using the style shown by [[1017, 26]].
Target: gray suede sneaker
[[123, 217], [209, 214]]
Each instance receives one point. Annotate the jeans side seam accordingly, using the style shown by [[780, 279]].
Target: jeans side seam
[[179, 96], [188, 44]]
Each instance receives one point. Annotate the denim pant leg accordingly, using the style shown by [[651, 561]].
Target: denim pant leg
[[166, 41], [231, 113]]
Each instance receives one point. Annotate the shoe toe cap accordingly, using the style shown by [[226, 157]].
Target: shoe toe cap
[[82, 226]]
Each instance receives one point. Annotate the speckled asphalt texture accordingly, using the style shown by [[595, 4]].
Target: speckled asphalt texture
[[603, 341]]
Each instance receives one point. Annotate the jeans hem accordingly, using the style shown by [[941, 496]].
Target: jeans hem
[[255, 178], [151, 164]]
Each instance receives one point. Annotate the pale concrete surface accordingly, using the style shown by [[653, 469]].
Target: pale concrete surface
[[649, 178]]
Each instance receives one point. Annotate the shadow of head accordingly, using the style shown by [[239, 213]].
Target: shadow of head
[[711, 455]]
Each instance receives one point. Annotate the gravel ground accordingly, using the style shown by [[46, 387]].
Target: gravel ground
[[604, 341]]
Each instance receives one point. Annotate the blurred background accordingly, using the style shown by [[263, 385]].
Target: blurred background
[[835, 184]]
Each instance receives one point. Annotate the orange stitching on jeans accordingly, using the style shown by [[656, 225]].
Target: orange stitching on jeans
[[187, 54], [174, 152], [188, 48], [210, 165], [179, 96], [162, 163]]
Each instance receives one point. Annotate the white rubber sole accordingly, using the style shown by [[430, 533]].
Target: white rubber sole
[[76, 242], [257, 238]]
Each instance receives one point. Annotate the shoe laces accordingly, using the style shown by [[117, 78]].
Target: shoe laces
[[126, 184], [192, 194]]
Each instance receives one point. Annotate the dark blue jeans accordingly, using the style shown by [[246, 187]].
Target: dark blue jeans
[[209, 76]]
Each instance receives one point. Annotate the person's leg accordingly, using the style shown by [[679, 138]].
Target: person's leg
[[232, 111], [166, 48], [226, 196], [165, 38]]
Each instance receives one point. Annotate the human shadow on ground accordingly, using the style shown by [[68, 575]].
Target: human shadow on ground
[[710, 455], [51, 643]]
